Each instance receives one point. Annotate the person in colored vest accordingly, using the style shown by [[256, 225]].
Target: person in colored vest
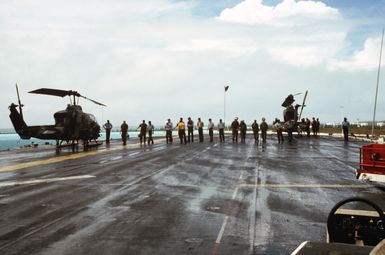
[[181, 131]]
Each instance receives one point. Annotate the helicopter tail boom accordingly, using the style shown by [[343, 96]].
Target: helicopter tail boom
[[18, 122]]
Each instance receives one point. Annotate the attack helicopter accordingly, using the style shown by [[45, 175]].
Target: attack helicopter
[[71, 124], [291, 115]]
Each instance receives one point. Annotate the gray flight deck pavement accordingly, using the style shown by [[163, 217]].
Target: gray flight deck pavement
[[199, 198]]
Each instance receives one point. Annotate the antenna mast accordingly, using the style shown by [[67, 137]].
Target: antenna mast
[[378, 80]]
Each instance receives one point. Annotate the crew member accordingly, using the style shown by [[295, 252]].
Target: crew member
[[168, 128], [234, 129], [279, 128], [150, 130], [210, 127], [190, 130], [143, 130], [108, 127], [243, 129], [308, 122], [221, 129], [124, 131], [181, 131], [255, 128], [345, 128], [264, 127], [200, 129]]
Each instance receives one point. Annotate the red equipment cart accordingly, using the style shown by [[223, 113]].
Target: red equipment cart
[[372, 163]]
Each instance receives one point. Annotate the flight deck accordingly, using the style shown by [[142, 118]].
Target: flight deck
[[198, 198]]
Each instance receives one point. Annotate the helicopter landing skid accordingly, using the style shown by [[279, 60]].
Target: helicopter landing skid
[[93, 144], [86, 144]]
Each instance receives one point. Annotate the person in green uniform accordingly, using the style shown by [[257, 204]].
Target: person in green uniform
[[264, 127], [243, 129], [255, 128], [123, 132]]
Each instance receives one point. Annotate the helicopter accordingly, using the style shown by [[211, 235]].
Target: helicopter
[[290, 114], [71, 124]]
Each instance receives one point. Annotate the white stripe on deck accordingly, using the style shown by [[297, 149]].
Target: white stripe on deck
[[220, 234], [15, 183], [252, 214]]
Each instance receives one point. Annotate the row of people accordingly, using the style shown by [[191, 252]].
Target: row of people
[[237, 128]]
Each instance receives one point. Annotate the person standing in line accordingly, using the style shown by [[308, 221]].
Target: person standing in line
[[255, 128], [318, 126], [234, 129], [168, 128], [308, 122], [243, 129], [123, 132], [108, 127], [143, 130], [200, 126], [150, 130], [314, 126], [190, 130], [345, 129], [210, 127], [181, 131], [221, 129], [279, 128], [264, 127]]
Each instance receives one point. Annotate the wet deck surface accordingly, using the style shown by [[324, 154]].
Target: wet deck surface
[[200, 198]]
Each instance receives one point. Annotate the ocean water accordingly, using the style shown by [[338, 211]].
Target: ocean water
[[11, 141]]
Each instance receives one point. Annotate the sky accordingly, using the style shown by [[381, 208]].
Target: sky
[[159, 59]]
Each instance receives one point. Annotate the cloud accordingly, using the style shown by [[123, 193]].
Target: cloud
[[365, 59], [154, 59], [287, 13]]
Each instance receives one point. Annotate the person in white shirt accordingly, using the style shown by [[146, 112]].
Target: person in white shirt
[[210, 127], [108, 127], [345, 128], [150, 130], [168, 127], [200, 129], [221, 129], [190, 130]]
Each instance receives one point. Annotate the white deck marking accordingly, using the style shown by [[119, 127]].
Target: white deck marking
[[299, 185], [340, 161], [220, 234], [252, 214], [67, 157], [37, 181]]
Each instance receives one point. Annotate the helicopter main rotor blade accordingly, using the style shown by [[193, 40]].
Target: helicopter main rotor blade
[[303, 105], [62, 93], [96, 102], [55, 92], [18, 98]]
